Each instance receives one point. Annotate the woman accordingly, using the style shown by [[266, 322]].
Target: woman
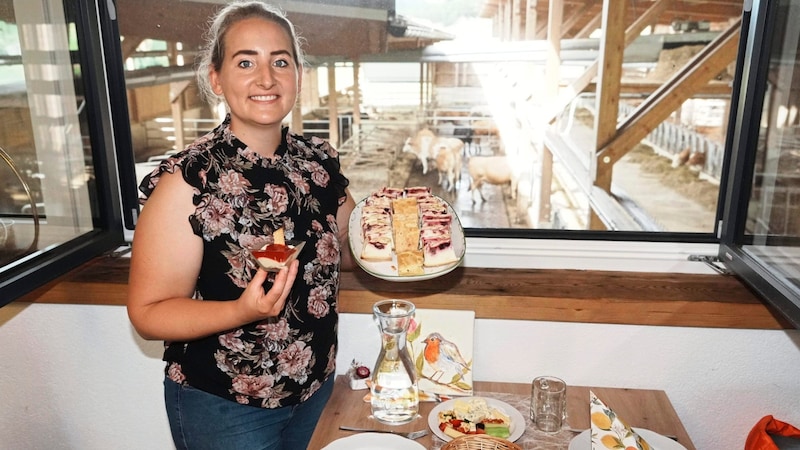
[[250, 357]]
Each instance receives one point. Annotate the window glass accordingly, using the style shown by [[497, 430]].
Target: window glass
[[48, 193], [772, 228], [516, 155]]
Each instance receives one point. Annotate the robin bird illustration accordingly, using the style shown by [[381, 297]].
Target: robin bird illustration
[[443, 356]]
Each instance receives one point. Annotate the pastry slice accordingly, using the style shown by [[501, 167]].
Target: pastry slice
[[410, 263]]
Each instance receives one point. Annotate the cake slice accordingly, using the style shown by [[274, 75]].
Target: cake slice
[[410, 263]]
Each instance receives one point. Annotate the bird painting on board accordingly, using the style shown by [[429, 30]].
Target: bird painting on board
[[443, 357]]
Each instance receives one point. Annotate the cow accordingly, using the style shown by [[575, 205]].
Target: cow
[[493, 170], [483, 129], [448, 159], [445, 152], [420, 145], [465, 133]]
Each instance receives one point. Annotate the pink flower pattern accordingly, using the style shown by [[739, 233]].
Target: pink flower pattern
[[240, 199]]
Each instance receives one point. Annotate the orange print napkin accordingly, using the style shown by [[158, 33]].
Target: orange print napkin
[[609, 431]]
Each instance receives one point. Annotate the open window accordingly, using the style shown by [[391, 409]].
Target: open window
[[761, 223], [60, 196]]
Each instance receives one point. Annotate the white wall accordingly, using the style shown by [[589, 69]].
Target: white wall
[[78, 377]]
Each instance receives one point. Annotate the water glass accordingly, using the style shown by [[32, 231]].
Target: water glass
[[548, 403]]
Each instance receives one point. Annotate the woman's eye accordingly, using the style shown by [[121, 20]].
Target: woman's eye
[[245, 64], [281, 63]]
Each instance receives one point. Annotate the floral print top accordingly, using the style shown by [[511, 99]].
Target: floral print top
[[241, 198]]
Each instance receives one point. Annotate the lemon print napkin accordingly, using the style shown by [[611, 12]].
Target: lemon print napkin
[[609, 431]]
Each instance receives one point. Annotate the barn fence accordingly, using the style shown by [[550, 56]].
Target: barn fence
[[670, 139]]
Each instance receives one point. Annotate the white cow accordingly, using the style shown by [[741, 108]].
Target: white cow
[[420, 145], [448, 153], [493, 170]]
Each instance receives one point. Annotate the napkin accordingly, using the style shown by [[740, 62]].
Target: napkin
[[611, 432]]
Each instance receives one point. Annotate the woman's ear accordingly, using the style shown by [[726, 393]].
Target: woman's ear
[[213, 78], [300, 71]]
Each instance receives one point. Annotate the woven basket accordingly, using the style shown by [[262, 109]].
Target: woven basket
[[480, 442]]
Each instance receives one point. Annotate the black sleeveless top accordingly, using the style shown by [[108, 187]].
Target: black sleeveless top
[[241, 198]]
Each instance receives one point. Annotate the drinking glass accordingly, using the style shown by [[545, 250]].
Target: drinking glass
[[548, 403]]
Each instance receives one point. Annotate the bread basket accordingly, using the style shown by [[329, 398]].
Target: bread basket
[[480, 442]]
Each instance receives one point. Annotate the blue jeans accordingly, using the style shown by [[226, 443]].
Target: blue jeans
[[199, 420]]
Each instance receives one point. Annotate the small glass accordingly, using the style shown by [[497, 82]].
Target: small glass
[[548, 403]]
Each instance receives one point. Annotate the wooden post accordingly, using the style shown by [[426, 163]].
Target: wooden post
[[333, 110], [356, 132], [531, 19], [176, 91], [612, 46], [553, 77]]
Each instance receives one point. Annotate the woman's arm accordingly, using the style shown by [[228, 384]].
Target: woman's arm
[[343, 221], [165, 262]]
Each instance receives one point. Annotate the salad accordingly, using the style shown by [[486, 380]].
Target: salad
[[474, 416]]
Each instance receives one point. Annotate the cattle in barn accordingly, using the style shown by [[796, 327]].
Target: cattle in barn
[[493, 170], [465, 133], [696, 161], [448, 159], [420, 145], [680, 158], [484, 130], [425, 145]]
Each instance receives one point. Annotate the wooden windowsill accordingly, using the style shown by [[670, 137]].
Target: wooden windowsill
[[524, 294]]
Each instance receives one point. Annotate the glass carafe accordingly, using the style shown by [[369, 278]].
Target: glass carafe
[[394, 390]]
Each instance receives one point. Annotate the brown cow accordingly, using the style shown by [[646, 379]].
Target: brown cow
[[493, 170]]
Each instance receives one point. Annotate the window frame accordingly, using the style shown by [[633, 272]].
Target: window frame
[[33, 271], [755, 55]]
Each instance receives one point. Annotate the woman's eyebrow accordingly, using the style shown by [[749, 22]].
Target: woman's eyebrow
[[248, 52]]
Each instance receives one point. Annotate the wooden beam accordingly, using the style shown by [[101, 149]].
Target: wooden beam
[[333, 109], [582, 296], [531, 19], [575, 16], [646, 88], [129, 46], [631, 33], [697, 72], [590, 26], [612, 47]]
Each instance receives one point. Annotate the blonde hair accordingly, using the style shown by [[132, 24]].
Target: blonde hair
[[213, 52]]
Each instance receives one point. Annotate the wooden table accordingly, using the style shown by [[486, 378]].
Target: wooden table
[[642, 408]]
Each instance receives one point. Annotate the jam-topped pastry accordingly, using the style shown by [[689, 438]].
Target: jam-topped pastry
[[279, 253]]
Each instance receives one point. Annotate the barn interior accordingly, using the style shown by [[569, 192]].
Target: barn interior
[[548, 89]]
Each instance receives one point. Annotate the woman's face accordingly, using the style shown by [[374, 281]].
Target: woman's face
[[258, 76]]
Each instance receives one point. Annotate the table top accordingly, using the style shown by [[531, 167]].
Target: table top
[[641, 408]]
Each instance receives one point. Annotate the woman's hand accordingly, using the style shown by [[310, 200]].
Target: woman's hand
[[257, 304]]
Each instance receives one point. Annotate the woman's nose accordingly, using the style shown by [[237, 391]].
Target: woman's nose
[[266, 77]]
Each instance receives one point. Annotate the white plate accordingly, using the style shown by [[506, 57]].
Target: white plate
[[583, 441], [387, 270], [516, 428], [374, 441]]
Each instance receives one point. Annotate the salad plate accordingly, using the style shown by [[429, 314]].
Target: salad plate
[[516, 427], [372, 441], [658, 441]]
